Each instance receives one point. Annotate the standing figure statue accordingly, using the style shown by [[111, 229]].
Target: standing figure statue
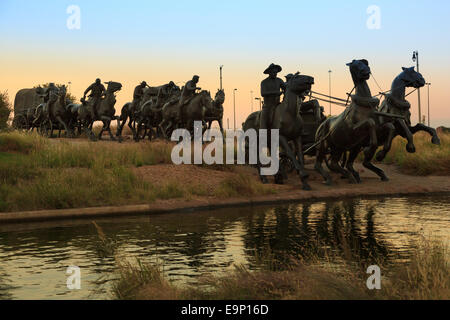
[[97, 92], [271, 90], [187, 93]]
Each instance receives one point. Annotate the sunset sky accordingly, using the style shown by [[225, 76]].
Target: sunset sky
[[159, 41]]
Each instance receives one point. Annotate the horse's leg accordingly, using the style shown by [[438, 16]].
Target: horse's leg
[[406, 133], [301, 160], [336, 156], [320, 157], [107, 121], [161, 126], [431, 131], [66, 128], [349, 163], [390, 128]]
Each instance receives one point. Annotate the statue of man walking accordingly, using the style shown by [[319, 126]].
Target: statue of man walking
[[271, 90], [97, 91]]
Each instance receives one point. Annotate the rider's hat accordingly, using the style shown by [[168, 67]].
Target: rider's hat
[[143, 83], [272, 66]]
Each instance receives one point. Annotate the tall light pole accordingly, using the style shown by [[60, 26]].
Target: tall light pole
[[260, 103], [251, 99], [234, 107], [415, 58], [329, 87], [428, 86], [221, 67]]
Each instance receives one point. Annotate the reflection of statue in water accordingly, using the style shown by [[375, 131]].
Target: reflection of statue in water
[[187, 94], [271, 90], [97, 92]]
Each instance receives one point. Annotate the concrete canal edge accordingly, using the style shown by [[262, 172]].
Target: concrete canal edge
[[172, 206]]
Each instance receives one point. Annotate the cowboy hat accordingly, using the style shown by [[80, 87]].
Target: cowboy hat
[[272, 66]]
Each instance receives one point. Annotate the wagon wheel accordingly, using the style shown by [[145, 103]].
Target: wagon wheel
[[20, 122]]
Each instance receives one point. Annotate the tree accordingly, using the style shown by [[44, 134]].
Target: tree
[[69, 96], [5, 110]]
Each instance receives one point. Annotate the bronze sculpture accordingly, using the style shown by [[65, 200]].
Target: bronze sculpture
[[288, 120], [348, 130], [97, 90], [271, 90], [389, 127], [187, 93]]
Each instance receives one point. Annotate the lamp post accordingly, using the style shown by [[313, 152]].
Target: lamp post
[[415, 58], [329, 87], [221, 67], [234, 107], [251, 100], [428, 87], [260, 103]]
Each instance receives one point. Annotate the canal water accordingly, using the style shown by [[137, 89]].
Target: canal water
[[34, 257]]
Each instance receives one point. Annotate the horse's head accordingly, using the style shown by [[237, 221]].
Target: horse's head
[[220, 97], [360, 70], [113, 86], [412, 78], [300, 84], [205, 99]]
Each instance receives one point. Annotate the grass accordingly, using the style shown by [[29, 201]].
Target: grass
[[239, 185], [424, 277], [429, 159], [37, 173]]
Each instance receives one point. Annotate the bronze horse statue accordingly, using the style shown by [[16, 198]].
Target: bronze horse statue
[[193, 110], [288, 120], [150, 113], [350, 129], [58, 113], [216, 112], [388, 126], [105, 111]]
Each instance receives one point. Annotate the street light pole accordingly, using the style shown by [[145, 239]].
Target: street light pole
[[260, 103], [329, 87], [234, 107], [428, 85], [415, 58], [221, 77]]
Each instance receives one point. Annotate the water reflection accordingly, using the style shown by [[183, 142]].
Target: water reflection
[[34, 257]]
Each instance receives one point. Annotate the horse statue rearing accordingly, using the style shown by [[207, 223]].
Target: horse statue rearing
[[348, 130], [388, 127]]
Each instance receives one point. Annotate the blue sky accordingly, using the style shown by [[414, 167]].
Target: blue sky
[[245, 36]]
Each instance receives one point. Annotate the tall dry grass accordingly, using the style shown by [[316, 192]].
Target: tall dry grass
[[428, 159], [424, 277]]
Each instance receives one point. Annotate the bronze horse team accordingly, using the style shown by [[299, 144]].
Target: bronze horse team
[[364, 125]]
